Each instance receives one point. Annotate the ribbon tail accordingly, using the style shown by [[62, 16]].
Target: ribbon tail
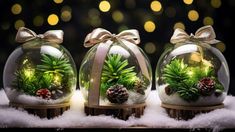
[[55, 36], [96, 36], [205, 33], [24, 35], [178, 36], [130, 35]]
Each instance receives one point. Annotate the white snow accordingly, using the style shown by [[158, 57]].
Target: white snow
[[154, 116], [176, 100]]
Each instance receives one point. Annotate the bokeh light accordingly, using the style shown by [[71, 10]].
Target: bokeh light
[[122, 28], [188, 2], [193, 15], [19, 23], [150, 48], [216, 3], [221, 46], [16, 9], [179, 25], [104, 6], [117, 16], [52, 19], [58, 1], [208, 21], [156, 6], [38, 21], [66, 14], [94, 17], [149, 26]]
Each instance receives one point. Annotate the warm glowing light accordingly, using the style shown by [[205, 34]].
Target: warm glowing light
[[179, 25], [117, 16], [156, 6], [25, 61], [188, 2], [149, 26], [57, 79], [28, 72], [104, 6], [38, 21], [193, 15], [190, 73], [206, 63], [53, 19], [19, 23], [16, 9], [208, 21], [150, 48], [196, 57], [221, 46], [216, 3], [58, 1], [74, 101]]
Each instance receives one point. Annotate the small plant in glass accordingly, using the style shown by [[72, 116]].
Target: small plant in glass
[[192, 76], [40, 72], [115, 74]]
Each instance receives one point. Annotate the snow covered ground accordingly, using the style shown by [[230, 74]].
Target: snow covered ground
[[154, 117]]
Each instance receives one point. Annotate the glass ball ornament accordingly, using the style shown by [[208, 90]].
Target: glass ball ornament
[[39, 72], [192, 73], [111, 73]]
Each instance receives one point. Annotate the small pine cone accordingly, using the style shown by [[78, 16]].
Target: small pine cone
[[139, 87], [168, 90], [117, 94], [44, 93], [206, 86]]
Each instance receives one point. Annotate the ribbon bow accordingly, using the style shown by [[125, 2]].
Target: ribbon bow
[[99, 35], [205, 34], [25, 34]]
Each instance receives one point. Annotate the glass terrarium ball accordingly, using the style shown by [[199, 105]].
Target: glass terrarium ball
[[193, 74], [39, 72], [121, 81]]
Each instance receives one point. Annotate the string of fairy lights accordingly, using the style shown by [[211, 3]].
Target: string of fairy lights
[[104, 6]]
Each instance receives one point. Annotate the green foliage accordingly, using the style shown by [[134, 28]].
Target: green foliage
[[25, 83], [188, 91], [43, 76], [51, 64], [183, 79], [198, 73], [115, 71], [174, 73]]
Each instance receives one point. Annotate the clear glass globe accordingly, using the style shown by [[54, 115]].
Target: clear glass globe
[[39, 72], [192, 74], [122, 80]]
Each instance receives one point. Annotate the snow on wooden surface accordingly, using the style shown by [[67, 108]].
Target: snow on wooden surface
[[154, 117]]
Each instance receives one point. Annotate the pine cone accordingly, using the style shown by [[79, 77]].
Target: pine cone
[[206, 86], [44, 93], [168, 90], [139, 87], [117, 94]]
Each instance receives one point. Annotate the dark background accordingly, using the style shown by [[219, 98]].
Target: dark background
[[86, 15]]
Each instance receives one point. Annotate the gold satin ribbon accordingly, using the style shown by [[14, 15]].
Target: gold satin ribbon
[[25, 34], [204, 34], [99, 35], [128, 38]]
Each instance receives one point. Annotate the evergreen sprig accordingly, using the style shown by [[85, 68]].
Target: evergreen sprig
[[53, 64], [116, 71]]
